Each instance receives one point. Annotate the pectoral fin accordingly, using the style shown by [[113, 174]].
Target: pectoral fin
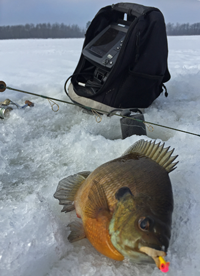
[[97, 201], [77, 231], [67, 189]]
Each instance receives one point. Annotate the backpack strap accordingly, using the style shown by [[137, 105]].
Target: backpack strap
[[166, 93]]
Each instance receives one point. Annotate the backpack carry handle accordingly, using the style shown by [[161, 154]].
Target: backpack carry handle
[[129, 8]]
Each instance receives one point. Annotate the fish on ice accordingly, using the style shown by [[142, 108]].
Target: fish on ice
[[125, 204]]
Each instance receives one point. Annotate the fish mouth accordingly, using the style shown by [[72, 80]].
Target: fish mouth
[[159, 242], [152, 246]]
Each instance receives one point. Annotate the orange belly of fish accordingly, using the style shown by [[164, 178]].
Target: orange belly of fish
[[97, 233]]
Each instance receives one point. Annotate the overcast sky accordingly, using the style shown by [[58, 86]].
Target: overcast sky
[[14, 12]]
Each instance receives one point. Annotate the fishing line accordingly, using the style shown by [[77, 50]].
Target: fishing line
[[3, 87]]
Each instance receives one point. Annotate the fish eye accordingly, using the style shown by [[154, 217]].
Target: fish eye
[[144, 223]]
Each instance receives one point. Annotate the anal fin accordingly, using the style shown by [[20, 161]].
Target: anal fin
[[68, 208], [77, 231]]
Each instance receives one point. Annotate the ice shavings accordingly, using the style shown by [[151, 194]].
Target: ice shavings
[[39, 147]]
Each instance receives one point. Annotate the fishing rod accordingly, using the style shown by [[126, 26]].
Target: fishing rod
[[95, 111]]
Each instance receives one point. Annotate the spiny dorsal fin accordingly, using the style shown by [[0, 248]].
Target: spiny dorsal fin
[[156, 152], [67, 189], [97, 201]]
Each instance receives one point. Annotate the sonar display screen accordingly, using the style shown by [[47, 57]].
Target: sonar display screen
[[106, 41]]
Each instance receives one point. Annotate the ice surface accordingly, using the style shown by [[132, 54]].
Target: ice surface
[[39, 147]]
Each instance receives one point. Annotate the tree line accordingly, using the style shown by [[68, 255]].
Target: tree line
[[41, 31], [74, 31], [183, 29]]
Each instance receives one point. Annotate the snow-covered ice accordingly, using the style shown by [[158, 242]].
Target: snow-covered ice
[[38, 147]]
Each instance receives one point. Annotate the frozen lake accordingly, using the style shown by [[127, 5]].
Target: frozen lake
[[38, 147]]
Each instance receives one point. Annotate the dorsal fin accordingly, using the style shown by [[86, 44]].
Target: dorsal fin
[[156, 152], [97, 201]]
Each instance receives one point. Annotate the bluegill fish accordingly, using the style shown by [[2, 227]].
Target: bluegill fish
[[125, 204]]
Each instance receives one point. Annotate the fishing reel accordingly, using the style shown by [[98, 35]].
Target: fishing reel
[[7, 105]]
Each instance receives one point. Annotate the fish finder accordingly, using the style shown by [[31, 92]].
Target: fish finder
[[104, 49], [101, 54]]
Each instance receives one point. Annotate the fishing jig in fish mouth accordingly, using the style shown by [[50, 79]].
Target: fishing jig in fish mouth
[[125, 204]]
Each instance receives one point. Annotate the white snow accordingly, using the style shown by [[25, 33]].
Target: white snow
[[39, 147]]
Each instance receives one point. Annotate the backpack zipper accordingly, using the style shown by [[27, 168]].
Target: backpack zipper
[[137, 46]]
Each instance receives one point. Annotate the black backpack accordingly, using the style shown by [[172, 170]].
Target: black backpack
[[123, 63]]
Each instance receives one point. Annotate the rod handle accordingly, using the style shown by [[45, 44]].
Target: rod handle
[[29, 103], [2, 86]]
